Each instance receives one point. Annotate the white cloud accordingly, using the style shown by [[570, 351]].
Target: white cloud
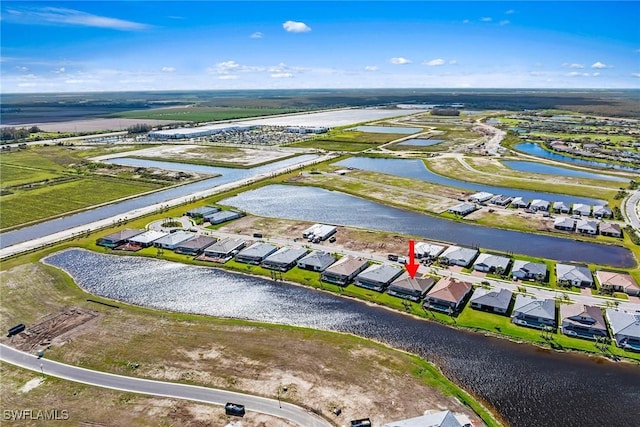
[[227, 77], [486, 19], [371, 68], [510, 12], [281, 75], [399, 60], [600, 65], [257, 35], [434, 62], [505, 22], [595, 74], [59, 70], [57, 15], [466, 21], [22, 69], [168, 69], [453, 62], [296, 27], [574, 65], [577, 74]]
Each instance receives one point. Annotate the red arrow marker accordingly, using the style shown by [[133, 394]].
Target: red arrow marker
[[412, 267]]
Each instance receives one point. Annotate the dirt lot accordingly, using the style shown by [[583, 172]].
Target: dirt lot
[[91, 125], [320, 369], [199, 153]]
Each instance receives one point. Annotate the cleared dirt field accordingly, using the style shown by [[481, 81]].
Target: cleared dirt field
[[92, 125]]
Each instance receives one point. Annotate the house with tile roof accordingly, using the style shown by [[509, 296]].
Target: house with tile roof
[[493, 300], [610, 229], [490, 263], [574, 275], [316, 261], [447, 295], [534, 313], [617, 282], [625, 328], [412, 289], [582, 321], [527, 270], [457, 255]]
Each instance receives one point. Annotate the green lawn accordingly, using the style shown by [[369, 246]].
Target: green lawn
[[19, 175], [46, 202], [333, 145]]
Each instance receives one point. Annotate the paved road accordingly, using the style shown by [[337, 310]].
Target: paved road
[[273, 407], [631, 208]]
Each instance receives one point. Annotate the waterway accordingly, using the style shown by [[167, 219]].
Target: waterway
[[332, 207], [525, 385], [416, 169], [535, 149], [543, 168], [227, 175]]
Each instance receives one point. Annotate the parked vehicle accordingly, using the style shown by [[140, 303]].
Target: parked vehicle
[[234, 409], [16, 330]]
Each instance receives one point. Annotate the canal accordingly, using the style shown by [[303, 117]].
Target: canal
[[526, 385]]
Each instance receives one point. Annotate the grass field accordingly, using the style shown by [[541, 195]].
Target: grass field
[[41, 203], [352, 141], [18, 175], [202, 114]]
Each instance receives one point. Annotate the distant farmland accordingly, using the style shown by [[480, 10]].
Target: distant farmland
[[202, 114]]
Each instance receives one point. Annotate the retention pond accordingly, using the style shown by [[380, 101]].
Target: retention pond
[[526, 385]]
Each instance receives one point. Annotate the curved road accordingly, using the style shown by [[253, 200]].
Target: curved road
[[631, 208], [273, 407]]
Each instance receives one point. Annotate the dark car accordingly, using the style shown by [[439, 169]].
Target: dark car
[[234, 409]]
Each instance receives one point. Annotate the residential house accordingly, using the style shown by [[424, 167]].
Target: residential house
[[519, 202], [490, 263], [610, 229], [574, 275], [434, 419], [534, 313], [625, 328], [496, 301], [462, 209], [224, 249], [223, 216], [118, 238], [427, 250], [526, 270], [412, 289], [147, 238], [343, 271], [255, 253], [561, 208], [447, 295], [480, 197], [539, 205], [202, 211], [587, 226], [617, 282], [581, 209], [283, 259], [173, 240], [600, 212], [501, 200], [564, 223], [582, 321], [377, 277], [195, 246], [456, 255], [316, 261]]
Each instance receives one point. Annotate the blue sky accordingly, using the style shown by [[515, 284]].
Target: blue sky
[[145, 45]]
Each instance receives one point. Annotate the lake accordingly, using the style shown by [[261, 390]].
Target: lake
[[419, 142], [525, 385], [416, 169], [535, 149], [332, 207]]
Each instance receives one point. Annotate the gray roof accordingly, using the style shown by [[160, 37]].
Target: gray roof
[[492, 297], [438, 419], [428, 249], [624, 322], [459, 253], [519, 201], [286, 255], [317, 258], [203, 210], [258, 250], [379, 273], [543, 308], [599, 209], [560, 205], [587, 224], [564, 222], [581, 207], [198, 242], [573, 272], [225, 245], [533, 268], [462, 207], [539, 203], [404, 282], [174, 238], [125, 234], [493, 261], [222, 216]]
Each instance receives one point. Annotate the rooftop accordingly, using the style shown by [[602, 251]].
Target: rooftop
[[379, 273], [449, 289]]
